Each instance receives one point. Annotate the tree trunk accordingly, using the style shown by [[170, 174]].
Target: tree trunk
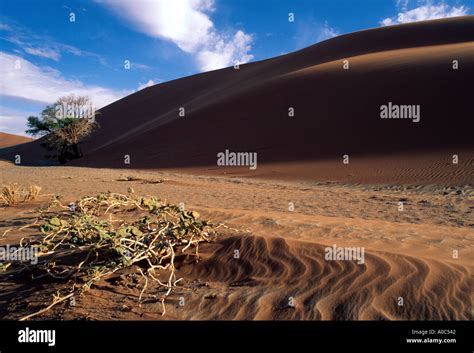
[[76, 151]]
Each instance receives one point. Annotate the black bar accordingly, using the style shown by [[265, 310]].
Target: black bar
[[88, 336]]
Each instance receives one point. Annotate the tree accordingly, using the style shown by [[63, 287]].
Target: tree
[[64, 125]]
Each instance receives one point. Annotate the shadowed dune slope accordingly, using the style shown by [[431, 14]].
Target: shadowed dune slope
[[337, 111]]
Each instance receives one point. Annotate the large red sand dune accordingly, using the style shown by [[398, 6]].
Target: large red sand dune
[[336, 112]]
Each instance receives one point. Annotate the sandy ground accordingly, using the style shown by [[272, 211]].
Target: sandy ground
[[281, 272]]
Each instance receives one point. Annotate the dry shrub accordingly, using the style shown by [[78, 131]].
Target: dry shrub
[[33, 193], [81, 244], [12, 194], [75, 131]]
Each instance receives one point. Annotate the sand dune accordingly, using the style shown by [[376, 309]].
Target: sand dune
[[408, 252], [336, 111], [7, 140]]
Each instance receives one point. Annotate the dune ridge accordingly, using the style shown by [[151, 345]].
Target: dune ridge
[[271, 270], [336, 110]]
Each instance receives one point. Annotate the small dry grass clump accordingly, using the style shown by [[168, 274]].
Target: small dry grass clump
[[86, 241], [12, 194], [33, 193]]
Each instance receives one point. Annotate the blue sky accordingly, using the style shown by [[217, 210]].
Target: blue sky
[[52, 48]]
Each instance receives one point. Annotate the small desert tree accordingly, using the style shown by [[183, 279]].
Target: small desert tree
[[63, 125]]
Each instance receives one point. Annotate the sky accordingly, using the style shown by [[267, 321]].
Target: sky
[[108, 49]]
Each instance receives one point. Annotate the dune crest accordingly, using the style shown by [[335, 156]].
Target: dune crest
[[334, 89]]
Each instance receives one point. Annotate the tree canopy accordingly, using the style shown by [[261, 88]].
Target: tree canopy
[[63, 125]]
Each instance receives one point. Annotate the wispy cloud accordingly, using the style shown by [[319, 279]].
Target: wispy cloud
[[44, 53], [42, 46], [326, 32], [426, 10], [146, 84], [14, 123], [27, 82], [23, 79], [309, 31], [139, 66], [187, 24]]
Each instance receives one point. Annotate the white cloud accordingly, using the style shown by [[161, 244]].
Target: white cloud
[[402, 4], [225, 53], [147, 84], [44, 84], [13, 121], [187, 24], [327, 32], [310, 31], [139, 66], [427, 11], [44, 53], [43, 46], [14, 124]]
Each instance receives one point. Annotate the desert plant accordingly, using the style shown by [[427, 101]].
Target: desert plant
[[12, 194], [82, 244], [64, 125], [33, 193]]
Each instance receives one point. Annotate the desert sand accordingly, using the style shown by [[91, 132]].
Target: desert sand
[[423, 254], [7, 140], [408, 254]]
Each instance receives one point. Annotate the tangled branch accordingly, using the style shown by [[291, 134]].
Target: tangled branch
[[82, 244]]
